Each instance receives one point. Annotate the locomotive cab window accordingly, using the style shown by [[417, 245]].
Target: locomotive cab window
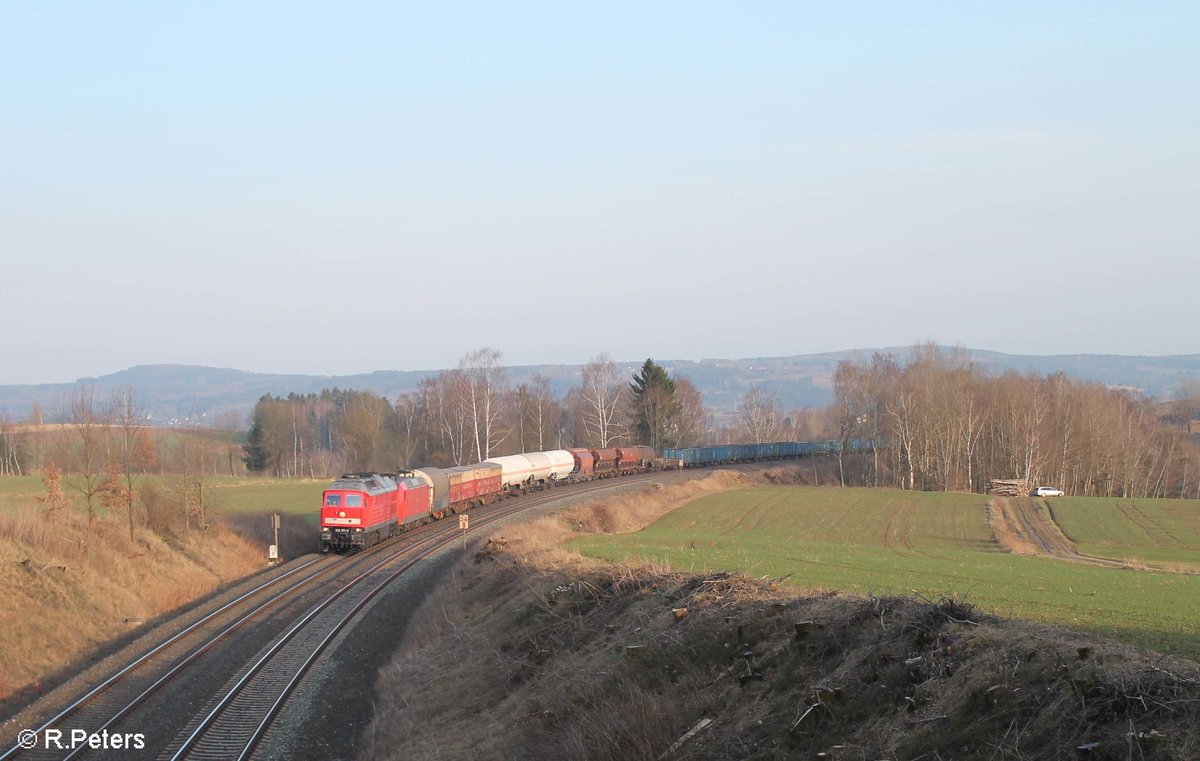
[[333, 500], [353, 500]]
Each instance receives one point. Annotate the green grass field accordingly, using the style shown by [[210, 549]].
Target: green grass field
[[885, 542], [18, 486], [266, 495], [1153, 532]]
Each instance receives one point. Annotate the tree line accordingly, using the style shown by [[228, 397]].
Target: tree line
[[939, 423], [469, 414], [934, 421]]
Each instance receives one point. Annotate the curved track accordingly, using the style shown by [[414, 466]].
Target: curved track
[[257, 647]]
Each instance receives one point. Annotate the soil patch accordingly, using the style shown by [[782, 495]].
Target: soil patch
[[1027, 527]]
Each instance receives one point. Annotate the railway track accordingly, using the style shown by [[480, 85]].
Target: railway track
[[295, 618], [122, 691]]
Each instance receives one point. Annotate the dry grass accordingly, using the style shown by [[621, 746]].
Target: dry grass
[[529, 651], [1008, 535], [70, 587]]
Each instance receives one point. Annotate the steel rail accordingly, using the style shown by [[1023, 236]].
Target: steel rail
[[201, 650], [442, 535], [112, 679], [191, 656], [422, 549], [418, 553]]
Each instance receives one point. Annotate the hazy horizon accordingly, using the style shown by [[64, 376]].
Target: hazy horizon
[[285, 188], [862, 352]]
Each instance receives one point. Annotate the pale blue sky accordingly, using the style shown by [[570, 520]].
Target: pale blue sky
[[292, 187]]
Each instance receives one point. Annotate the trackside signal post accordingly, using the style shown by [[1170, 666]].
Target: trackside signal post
[[464, 522], [273, 552]]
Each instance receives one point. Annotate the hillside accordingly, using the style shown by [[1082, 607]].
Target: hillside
[[72, 589], [178, 391]]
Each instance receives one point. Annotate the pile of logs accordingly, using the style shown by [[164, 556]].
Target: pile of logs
[[1012, 487]]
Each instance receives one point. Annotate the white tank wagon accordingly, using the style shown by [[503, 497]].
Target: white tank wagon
[[562, 464], [515, 469], [534, 468], [555, 465]]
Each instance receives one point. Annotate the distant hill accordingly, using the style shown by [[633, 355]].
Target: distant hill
[[175, 392]]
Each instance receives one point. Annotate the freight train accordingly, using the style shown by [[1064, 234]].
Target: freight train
[[362, 509], [699, 457]]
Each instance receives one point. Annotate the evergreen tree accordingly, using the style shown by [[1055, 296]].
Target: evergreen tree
[[257, 455], [655, 406]]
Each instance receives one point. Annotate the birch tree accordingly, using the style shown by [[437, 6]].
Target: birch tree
[[603, 396], [759, 414], [542, 414], [483, 392]]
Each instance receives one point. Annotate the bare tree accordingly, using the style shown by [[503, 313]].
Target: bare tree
[[603, 396], [542, 414], [759, 414], [127, 416], [692, 421], [408, 410], [362, 426], [445, 417], [905, 413], [971, 420], [187, 456], [482, 395], [37, 417], [10, 462], [90, 427], [850, 400]]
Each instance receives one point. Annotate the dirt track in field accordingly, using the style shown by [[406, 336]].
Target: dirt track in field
[[897, 527], [1027, 527]]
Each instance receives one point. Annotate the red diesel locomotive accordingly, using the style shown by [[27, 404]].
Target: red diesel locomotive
[[362, 509]]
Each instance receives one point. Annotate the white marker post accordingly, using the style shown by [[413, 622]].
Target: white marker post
[[464, 522], [274, 551]]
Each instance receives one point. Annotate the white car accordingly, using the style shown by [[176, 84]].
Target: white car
[[1047, 491]]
